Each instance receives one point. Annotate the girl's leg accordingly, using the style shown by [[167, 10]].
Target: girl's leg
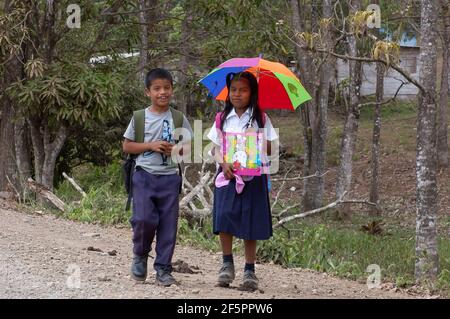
[[250, 280], [250, 251], [226, 272], [226, 241]]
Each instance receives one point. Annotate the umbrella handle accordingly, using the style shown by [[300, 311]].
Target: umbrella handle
[[228, 79], [258, 69]]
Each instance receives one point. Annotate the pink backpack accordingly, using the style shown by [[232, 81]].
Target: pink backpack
[[218, 124]]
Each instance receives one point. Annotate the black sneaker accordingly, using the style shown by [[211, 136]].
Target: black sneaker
[[164, 278], [250, 281], [226, 274], [139, 268]]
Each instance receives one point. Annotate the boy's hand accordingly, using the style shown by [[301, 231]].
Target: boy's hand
[[162, 147], [227, 170]]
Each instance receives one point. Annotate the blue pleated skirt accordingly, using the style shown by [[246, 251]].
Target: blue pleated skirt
[[246, 215]]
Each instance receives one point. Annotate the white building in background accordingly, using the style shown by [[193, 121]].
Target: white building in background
[[409, 60]]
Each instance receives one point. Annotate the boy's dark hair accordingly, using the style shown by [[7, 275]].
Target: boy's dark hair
[[257, 113], [157, 73]]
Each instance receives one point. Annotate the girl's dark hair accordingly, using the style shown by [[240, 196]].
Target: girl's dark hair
[[257, 113], [157, 73]]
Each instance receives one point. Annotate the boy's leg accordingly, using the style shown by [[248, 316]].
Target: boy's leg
[[167, 204], [145, 216], [144, 221]]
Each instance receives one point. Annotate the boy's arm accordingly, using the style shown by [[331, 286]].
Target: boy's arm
[[131, 147]]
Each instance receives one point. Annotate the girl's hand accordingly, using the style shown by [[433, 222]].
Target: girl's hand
[[227, 170]]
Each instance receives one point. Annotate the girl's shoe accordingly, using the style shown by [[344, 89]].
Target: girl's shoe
[[226, 274], [250, 280]]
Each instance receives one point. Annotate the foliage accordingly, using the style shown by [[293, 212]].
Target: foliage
[[72, 93]]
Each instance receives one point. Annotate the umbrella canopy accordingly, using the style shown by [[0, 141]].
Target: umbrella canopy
[[279, 88]]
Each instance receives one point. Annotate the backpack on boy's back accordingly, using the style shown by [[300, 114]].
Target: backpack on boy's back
[[139, 131]]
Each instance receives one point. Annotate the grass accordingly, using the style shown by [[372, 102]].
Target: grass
[[394, 110], [106, 197]]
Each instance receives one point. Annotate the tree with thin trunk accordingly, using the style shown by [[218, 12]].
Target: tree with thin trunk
[[351, 120], [427, 258], [44, 95], [15, 161], [442, 131], [143, 32], [315, 74], [374, 164], [148, 12], [185, 47]]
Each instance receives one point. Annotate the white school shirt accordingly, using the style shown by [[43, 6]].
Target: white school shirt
[[234, 124]]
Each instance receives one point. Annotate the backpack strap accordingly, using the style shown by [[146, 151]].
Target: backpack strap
[[139, 122], [177, 117], [139, 125], [218, 122]]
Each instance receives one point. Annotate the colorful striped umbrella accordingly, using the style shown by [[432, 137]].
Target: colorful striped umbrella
[[279, 88]]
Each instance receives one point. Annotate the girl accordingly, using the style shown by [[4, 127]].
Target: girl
[[246, 214]]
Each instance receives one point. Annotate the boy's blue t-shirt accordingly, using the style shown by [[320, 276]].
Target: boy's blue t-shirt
[[158, 127]]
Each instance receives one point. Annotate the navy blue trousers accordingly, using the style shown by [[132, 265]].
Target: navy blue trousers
[[155, 211]]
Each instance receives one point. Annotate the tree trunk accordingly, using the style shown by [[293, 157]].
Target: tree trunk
[[23, 155], [427, 259], [49, 26], [183, 92], [8, 169], [314, 113], [38, 147], [143, 25], [351, 124], [51, 152], [313, 188], [442, 142], [375, 168], [16, 157]]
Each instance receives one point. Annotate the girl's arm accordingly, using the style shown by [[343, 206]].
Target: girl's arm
[[227, 169], [269, 148]]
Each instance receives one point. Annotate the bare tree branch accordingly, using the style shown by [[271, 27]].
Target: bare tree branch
[[74, 184], [299, 177], [46, 193], [311, 212], [384, 102], [281, 188]]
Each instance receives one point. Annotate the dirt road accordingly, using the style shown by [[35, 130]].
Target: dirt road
[[42, 256]]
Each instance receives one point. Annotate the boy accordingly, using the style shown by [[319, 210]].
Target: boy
[[155, 182]]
